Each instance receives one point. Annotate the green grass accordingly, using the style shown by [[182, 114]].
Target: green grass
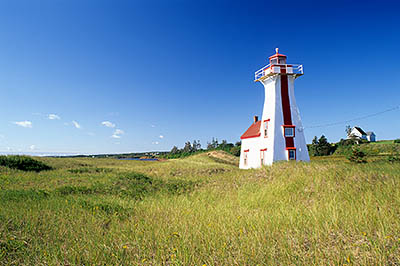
[[383, 142], [384, 147], [201, 210]]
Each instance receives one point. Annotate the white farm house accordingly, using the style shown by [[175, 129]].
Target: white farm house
[[358, 133]]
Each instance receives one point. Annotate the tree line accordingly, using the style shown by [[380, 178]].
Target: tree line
[[193, 147]]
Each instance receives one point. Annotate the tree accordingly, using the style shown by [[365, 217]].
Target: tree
[[348, 131], [213, 144], [320, 147], [188, 147], [196, 145], [313, 147], [174, 150], [323, 146], [235, 150]]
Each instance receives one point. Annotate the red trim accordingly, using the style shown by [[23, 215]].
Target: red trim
[[277, 55], [263, 149], [248, 137], [287, 115], [283, 66], [246, 150], [290, 148], [267, 120], [289, 142], [289, 126]]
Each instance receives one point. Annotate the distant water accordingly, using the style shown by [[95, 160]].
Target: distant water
[[139, 159]]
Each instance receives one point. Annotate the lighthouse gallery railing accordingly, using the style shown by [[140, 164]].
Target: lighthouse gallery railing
[[274, 69]]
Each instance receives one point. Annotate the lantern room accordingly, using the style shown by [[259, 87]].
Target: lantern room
[[277, 65], [277, 59]]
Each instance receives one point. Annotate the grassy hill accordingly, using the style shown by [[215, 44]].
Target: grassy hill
[[200, 210], [384, 147]]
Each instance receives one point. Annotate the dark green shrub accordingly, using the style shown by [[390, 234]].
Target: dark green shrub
[[347, 142], [393, 159], [397, 141], [394, 156], [357, 156], [24, 163], [321, 147], [235, 151]]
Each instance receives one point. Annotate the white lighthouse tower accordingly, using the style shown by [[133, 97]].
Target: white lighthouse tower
[[279, 134]]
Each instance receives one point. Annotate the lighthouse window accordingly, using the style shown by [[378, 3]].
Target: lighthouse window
[[265, 128], [292, 154], [289, 132]]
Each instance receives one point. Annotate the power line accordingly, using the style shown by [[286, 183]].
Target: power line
[[355, 119]]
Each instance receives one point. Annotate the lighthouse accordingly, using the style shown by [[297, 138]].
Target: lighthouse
[[278, 135]]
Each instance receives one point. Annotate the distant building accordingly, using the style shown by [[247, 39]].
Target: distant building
[[371, 136], [357, 133]]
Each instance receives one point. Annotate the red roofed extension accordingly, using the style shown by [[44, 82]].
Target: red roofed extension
[[253, 131]]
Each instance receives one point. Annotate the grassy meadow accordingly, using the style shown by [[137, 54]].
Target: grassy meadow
[[201, 210]]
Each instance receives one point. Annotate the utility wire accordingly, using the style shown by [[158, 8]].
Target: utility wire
[[355, 119]]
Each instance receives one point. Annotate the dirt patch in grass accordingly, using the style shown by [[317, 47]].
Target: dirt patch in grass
[[223, 157]]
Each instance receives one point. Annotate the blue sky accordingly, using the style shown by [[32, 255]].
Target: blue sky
[[163, 72]]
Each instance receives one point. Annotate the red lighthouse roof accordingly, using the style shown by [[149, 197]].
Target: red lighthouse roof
[[253, 131], [277, 54]]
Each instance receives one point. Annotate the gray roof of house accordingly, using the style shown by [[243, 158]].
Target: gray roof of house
[[369, 133]]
